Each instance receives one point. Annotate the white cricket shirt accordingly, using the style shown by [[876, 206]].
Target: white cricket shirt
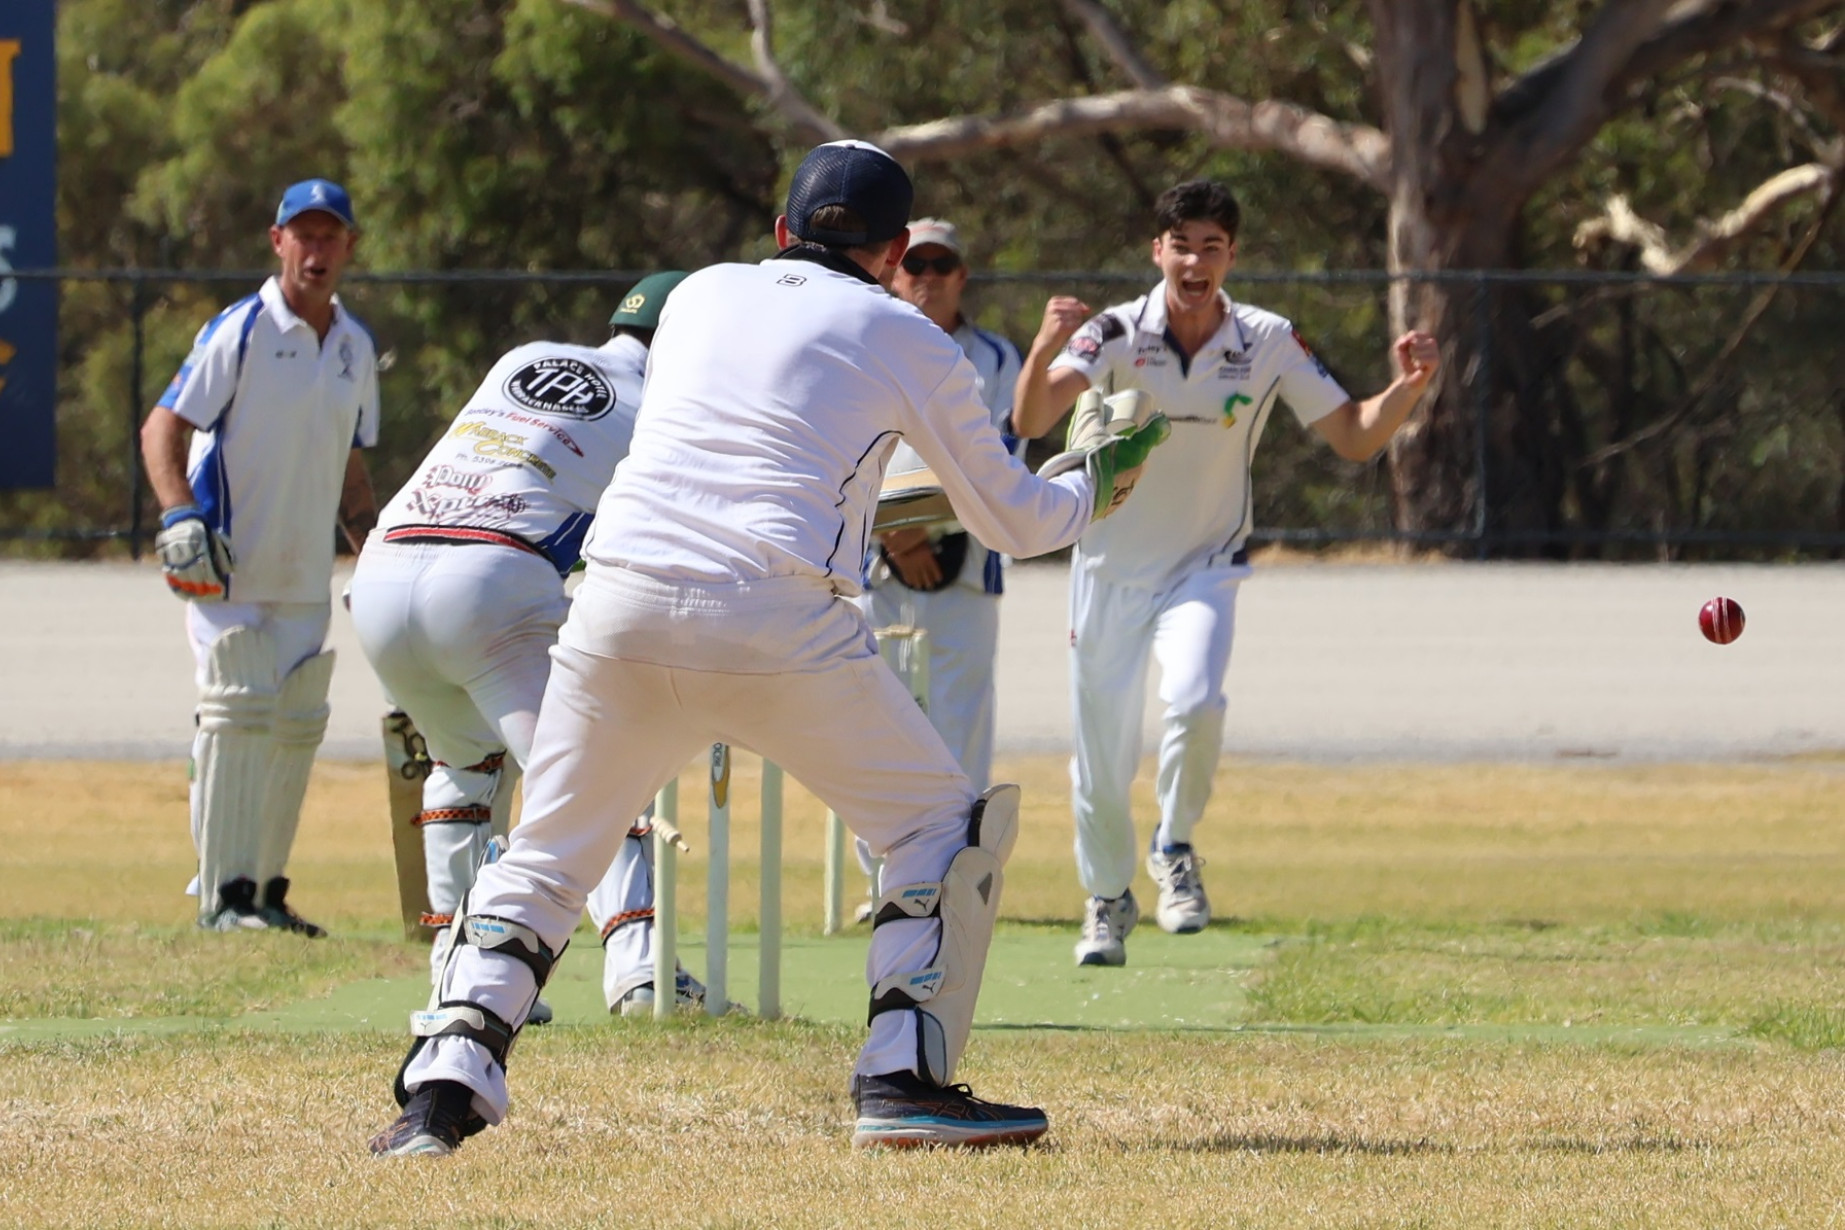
[[1192, 507], [530, 453], [996, 370], [278, 411], [775, 396]]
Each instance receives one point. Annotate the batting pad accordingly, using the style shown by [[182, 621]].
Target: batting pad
[[235, 746], [301, 714], [966, 905]]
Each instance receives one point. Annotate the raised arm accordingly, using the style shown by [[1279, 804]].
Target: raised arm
[[1042, 396], [1357, 430]]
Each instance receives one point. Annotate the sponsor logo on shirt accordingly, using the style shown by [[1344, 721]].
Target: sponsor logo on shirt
[[346, 358], [561, 386], [791, 279], [501, 446], [1237, 365], [1150, 354]]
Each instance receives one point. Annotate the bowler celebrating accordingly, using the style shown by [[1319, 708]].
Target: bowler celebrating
[[1164, 575]]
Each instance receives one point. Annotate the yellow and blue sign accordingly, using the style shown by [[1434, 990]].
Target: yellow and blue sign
[[28, 240]]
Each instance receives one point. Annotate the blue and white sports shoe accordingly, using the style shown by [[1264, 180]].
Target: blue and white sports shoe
[[900, 1110], [688, 993]]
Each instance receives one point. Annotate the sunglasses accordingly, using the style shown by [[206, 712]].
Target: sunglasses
[[944, 265]]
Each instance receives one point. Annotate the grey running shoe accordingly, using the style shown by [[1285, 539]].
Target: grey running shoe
[[540, 1014], [902, 1111], [1183, 907], [437, 1118], [1106, 923], [237, 909], [278, 914], [688, 993]]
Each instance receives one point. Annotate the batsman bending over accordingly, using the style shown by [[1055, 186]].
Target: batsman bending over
[[715, 609]]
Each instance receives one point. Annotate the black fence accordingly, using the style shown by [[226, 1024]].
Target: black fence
[[1604, 415]]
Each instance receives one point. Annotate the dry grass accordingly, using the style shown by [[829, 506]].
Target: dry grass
[[1419, 897], [744, 1126]]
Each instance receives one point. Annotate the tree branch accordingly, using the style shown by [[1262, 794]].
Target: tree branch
[[1558, 106], [1713, 237], [1722, 362], [1357, 150], [671, 37], [1103, 28], [781, 92]]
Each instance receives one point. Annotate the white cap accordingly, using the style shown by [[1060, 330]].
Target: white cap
[[935, 231]]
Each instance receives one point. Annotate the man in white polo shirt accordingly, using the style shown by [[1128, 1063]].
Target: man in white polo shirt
[[1163, 575], [716, 608], [253, 453], [941, 579]]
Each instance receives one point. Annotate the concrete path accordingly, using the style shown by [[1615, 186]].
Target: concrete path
[[1437, 661]]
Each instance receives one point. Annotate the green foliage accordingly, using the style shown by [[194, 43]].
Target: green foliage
[[534, 135]]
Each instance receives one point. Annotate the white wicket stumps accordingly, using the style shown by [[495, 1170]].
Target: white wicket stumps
[[907, 652]]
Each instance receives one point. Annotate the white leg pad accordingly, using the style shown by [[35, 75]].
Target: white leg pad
[[966, 905], [621, 906], [456, 821], [301, 714], [235, 745]]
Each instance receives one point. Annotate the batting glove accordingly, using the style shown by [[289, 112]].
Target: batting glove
[[196, 560], [1110, 439]]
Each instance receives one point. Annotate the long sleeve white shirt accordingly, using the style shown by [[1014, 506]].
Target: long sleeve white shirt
[[775, 396]]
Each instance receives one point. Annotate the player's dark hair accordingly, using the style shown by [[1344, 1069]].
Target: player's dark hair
[[846, 220], [1198, 200]]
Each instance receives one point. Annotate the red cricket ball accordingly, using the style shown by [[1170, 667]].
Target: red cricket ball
[[1721, 620]]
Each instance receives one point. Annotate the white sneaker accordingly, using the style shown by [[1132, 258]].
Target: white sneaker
[[1106, 923], [688, 993], [1183, 907]]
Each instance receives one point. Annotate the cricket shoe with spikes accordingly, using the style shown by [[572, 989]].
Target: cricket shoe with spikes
[[1106, 923], [436, 1119], [1183, 907], [900, 1110]]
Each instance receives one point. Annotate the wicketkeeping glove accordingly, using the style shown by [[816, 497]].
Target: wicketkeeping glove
[[196, 561], [1110, 438]]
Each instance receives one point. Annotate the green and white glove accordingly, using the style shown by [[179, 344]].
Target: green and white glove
[[1110, 438]]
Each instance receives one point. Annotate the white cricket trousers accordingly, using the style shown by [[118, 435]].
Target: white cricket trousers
[[1189, 629], [647, 675], [460, 636], [963, 628]]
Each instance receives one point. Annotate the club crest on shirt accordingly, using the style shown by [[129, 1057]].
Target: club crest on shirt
[[562, 386], [1084, 348], [1237, 365]]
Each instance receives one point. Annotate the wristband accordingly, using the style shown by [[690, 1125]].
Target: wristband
[[180, 512]]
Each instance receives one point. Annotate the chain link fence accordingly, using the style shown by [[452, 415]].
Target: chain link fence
[[1693, 418]]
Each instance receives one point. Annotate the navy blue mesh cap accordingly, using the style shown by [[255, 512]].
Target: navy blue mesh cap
[[859, 176]]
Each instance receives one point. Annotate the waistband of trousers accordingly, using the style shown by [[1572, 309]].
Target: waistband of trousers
[[758, 593]]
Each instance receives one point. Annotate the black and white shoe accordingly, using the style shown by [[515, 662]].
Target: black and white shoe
[[278, 914], [900, 1110], [439, 1116], [237, 909]]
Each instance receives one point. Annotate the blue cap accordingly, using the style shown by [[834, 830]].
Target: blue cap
[[311, 194], [859, 176]]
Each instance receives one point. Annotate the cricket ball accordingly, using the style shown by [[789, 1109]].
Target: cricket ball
[[1721, 620]]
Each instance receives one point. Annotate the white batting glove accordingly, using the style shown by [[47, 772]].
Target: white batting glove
[[196, 561]]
